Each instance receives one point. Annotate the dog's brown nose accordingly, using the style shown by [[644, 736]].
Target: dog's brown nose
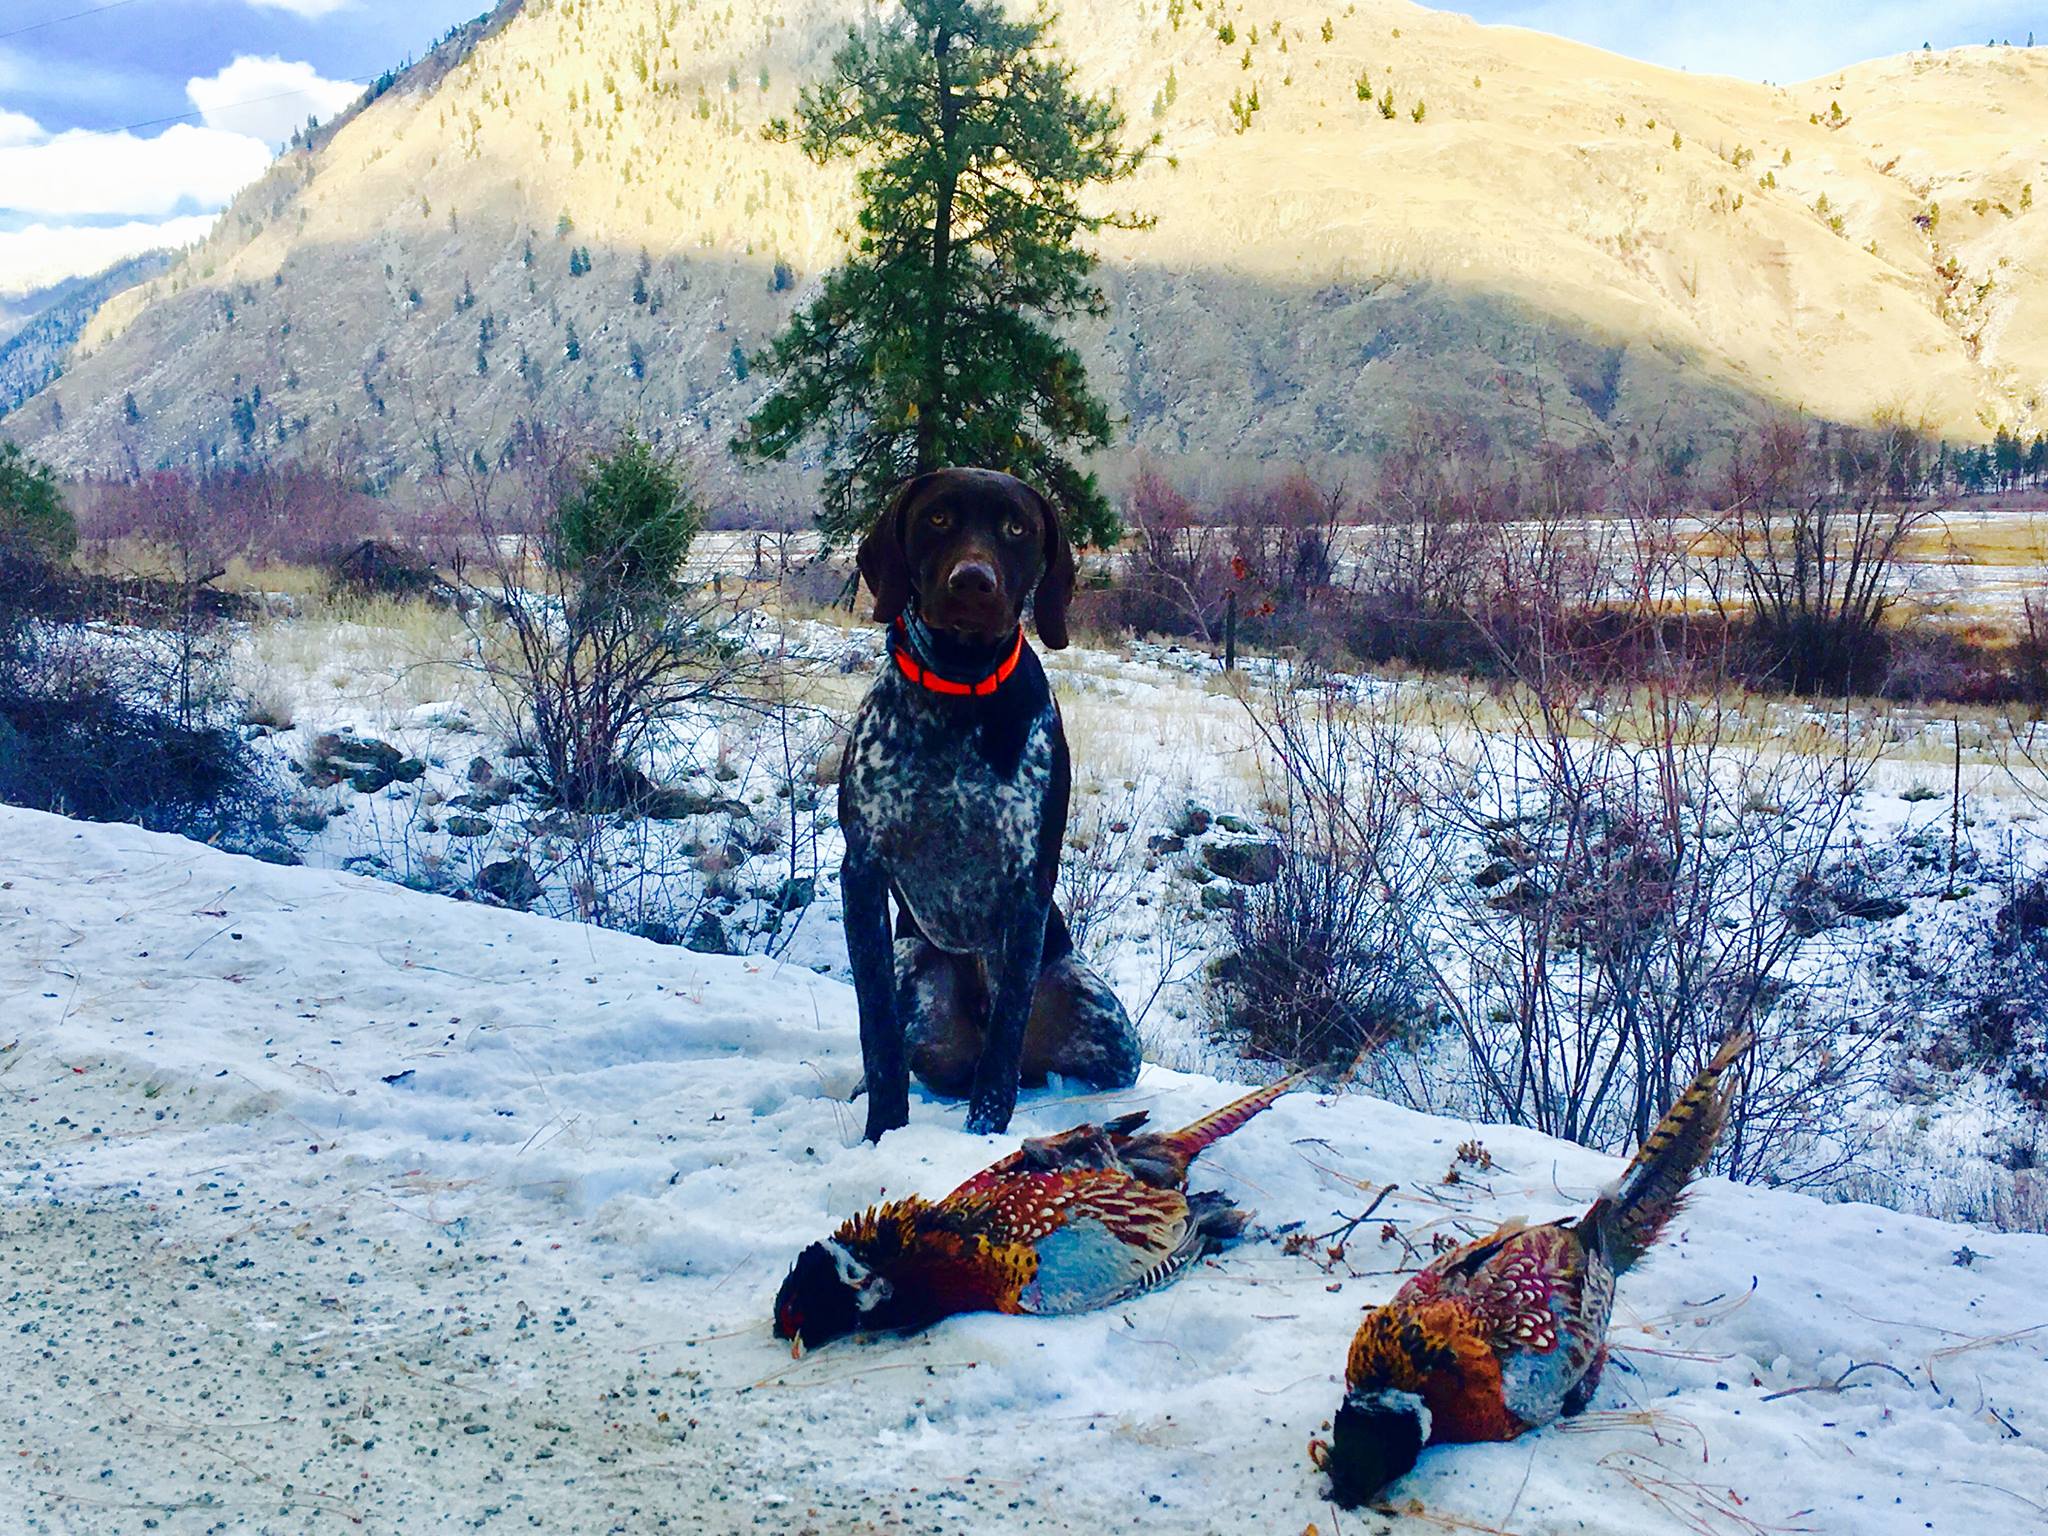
[[971, 576]]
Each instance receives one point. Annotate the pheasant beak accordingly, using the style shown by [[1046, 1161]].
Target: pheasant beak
[[1319, 1455]]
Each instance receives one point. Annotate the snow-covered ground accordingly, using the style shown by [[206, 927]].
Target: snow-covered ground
[[1154, 729], [330, 1205]]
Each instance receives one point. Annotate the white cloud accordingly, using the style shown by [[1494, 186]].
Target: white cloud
[[79, 173], [267, 98], [18, 128], [311, 9], [43, 254]]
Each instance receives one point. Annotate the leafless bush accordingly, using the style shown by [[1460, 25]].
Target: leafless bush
[[1593, 890], [1322, 963], [279, 513], [1177, 574], [1282, 544], [1815, 525], [596, 652], [1100, 870]]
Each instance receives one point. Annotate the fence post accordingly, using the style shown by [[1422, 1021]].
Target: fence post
[[1230, 632]]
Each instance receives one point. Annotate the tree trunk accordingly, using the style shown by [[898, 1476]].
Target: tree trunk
[[933, 404]]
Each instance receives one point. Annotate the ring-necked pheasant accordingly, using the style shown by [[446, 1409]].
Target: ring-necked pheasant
[[1083, 1219], [1505, 1334]]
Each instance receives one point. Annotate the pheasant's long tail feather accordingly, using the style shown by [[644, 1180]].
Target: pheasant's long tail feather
[[1627, 1220], [1190, 1140]]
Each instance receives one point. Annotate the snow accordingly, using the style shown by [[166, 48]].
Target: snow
[[331, 1205]]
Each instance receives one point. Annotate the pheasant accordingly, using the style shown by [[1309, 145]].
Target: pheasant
[[1084, 1219], [1506, 1333]]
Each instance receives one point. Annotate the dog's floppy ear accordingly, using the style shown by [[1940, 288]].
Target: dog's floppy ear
[[1056, 586], [883, 561]]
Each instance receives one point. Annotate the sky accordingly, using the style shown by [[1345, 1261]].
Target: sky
[[127, 124]]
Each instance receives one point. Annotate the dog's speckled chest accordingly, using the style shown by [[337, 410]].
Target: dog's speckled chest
[[958, 837]]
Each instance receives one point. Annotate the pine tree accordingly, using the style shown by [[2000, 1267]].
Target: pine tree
[[32, 510], [931, 345]]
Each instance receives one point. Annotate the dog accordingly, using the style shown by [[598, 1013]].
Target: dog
[[953, 803]]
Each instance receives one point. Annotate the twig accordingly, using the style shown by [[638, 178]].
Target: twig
[[1841, 1382]]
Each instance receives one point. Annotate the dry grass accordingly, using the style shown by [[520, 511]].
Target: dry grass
[[372, 659]]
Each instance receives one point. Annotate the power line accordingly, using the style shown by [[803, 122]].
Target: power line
[[229, 106], [37, 26]]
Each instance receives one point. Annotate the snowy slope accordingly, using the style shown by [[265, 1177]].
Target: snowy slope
[[328, 1205]]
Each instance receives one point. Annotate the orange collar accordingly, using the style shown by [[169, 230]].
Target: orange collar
[[925, 677]]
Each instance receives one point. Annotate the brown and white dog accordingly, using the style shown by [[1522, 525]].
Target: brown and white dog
[[953, 802]]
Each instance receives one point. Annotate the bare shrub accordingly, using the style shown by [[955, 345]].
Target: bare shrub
[[1100, 870], [1594, 889], [1281, 538], [1321, 964], [1815, 523], [587, 628], [1176, 573], [1423, 555], [283, 513]]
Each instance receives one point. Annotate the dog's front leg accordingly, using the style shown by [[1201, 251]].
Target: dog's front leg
[[864, 894], [1002, 1050]]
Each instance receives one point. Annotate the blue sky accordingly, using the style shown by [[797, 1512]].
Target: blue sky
[[127, 123], [1777, 40]]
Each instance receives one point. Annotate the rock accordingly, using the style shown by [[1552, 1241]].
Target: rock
[[468, 826], [1221, 898], [2027, 912], [1194, 820], [1247, 863], [1871, 909], [307, 818], [509, 882], [480, 771], [360, 749], [368, 764], [831, 759], [1520, 900], [1236, 824], [673, 802], [1497, 873], [798, 891], [1166, 842], [707, 936]]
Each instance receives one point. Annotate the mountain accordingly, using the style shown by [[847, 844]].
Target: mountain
[[568, 211], [37, 329]]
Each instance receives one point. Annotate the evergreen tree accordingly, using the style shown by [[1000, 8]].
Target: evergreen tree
[[932, 345], [32, 510], [626, 527]]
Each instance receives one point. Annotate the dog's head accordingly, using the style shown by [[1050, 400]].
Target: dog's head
[[968, 546]]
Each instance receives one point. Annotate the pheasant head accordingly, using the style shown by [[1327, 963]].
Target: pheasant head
[[1375, 1438], [842, 1285]]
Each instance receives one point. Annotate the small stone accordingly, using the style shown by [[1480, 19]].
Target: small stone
[[509, 882], [1247, 863]]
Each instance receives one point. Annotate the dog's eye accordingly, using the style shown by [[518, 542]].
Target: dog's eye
[[1015, 528], [940, 520]]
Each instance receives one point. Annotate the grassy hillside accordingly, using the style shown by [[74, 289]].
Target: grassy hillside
[[1564, 241], [37, 329]]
